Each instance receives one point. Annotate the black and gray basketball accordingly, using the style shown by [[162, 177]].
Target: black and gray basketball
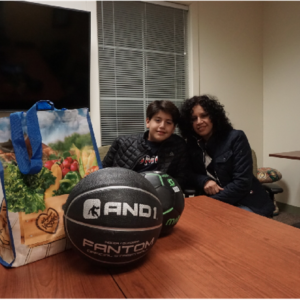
[[170, 195], [113, 216]]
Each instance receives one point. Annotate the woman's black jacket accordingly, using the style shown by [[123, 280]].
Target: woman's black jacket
[[233, 170]]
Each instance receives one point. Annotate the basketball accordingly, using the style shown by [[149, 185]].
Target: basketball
[[170, 196], [113, 216]]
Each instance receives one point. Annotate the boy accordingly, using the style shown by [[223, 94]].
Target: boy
[[156, 149]]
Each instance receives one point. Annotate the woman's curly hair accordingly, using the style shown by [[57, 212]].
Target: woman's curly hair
[[211, 106]]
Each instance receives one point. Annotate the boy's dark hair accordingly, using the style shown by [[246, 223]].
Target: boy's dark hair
[[166, 106], [210, 105]]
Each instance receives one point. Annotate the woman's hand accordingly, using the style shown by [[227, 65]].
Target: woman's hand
[[211, 188]]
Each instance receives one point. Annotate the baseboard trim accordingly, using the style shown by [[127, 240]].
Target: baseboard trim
[[288, 208]]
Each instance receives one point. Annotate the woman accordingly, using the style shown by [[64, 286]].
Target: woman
[[220, 156]]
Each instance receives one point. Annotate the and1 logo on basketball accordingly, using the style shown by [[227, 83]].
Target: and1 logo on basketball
[[92, 209]]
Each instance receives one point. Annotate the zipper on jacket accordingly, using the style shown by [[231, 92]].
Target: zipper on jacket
[[203, 156], [219, 182], [139, 159], [203, 152]]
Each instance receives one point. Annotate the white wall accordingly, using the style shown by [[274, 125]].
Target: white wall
[[282, 93], [94, 78], [230, 61]]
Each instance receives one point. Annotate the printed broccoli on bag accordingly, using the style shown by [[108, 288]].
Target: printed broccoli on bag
[[25, 193]]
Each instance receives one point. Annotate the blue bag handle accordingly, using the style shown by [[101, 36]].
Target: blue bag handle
[[35, 164], [94, 141]]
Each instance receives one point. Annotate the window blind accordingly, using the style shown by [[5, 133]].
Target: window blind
[[142, 58]]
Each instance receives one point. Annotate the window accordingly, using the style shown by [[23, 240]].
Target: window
[[142, 58]]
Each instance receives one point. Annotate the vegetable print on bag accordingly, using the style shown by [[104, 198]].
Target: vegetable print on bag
[[32, 205]]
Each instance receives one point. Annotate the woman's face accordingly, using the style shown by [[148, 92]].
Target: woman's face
[[202, 124]]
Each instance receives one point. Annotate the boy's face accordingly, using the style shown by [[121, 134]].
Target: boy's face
[[160, 127]]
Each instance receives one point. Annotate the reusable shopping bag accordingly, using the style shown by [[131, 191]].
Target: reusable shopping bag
[[44, 153]]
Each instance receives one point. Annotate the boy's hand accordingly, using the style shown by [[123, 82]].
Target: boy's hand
[[211, 188]]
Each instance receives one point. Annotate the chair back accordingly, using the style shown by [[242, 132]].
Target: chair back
[[103, 150], [254, 159]]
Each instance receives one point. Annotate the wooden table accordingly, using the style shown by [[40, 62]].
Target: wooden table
[[64, 275], [215, 251], [289, 155]]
